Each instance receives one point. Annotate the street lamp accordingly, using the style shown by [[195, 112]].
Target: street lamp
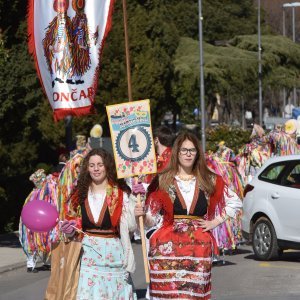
[[292, 5], [202, 100]]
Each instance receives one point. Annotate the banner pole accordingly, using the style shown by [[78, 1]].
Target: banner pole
[[127, 51]]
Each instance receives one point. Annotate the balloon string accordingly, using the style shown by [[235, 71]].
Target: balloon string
[[60, 221], [79, 230]]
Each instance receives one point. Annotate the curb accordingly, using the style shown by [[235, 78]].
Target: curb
[[6, 241], [12, 267]]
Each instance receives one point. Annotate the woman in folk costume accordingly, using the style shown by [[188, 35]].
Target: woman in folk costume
[[101, 207], [191, 199]]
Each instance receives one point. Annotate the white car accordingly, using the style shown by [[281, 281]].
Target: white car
[[271, 208]]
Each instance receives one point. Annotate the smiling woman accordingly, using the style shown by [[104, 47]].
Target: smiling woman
[[97, 171], [190, 198], [101, 204]]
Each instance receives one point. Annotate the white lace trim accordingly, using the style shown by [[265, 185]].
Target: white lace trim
[[178, 292], [181, 257], [198, 281], [180, 273]]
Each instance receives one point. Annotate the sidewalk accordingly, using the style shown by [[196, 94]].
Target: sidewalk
[[11, 253]]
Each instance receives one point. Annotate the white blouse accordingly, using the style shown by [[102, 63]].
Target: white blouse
[[187, 189], [96, 202]]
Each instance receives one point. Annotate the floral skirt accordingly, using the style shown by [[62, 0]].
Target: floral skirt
[[180, 261], [102, 275]]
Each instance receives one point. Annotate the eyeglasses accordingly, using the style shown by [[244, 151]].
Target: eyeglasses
[[184, 151]]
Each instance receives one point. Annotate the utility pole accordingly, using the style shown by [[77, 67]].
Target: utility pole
[[294, 40], [283, 21], [293, 5], [202, 93], [259, 67]]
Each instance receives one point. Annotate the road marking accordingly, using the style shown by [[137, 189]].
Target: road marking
[[268, 265]]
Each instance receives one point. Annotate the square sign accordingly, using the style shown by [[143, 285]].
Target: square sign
[[131, 135]]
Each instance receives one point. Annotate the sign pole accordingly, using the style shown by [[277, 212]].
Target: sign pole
[[144, 250], [141, 220], [127, 51]]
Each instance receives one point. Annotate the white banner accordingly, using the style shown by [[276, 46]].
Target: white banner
[[66, 39]]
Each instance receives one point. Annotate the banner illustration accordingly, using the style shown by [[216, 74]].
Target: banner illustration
[[66, 39]]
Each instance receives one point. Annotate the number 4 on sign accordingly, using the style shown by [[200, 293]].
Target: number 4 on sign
[[133, 144]]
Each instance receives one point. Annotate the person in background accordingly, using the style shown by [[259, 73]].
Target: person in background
[[163, 138], [62, 159], [225, 153], [191, 199], [103, 209], [37, 178], [28, 238], [81, 145]]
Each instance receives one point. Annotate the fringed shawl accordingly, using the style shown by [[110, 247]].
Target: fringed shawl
[[160, 200], [114, 199]]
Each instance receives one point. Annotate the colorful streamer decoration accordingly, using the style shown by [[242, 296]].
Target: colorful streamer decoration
[[34, 242], [131, 134], [66, 39]]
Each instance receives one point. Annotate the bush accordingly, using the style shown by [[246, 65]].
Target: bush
[[233, 136]]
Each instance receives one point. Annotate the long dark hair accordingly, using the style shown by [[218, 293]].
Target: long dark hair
[[200, 170], [85, 180]]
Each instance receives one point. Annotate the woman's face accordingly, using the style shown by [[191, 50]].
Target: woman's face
[[187, 154], [97, 169]]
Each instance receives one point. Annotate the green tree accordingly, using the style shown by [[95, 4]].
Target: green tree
[[164, 53], [232, 70], [153, 40], [26, 135], [224, 19]]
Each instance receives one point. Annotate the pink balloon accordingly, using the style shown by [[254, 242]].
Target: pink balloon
[[39, 216]]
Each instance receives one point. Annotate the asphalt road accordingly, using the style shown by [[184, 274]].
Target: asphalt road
[[244, 278], [239, 278]]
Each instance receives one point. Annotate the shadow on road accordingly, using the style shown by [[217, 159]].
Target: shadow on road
[[237, 251], [251, 257], [290, 256], [10, 240], [141, 293], [223, 263]]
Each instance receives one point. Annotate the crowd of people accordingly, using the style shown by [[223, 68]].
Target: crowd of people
[[184, 203], [191, 210]]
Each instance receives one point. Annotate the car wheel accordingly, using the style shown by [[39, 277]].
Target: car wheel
[[264, 243]]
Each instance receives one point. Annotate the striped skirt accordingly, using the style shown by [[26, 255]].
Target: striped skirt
[[180, 259]]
